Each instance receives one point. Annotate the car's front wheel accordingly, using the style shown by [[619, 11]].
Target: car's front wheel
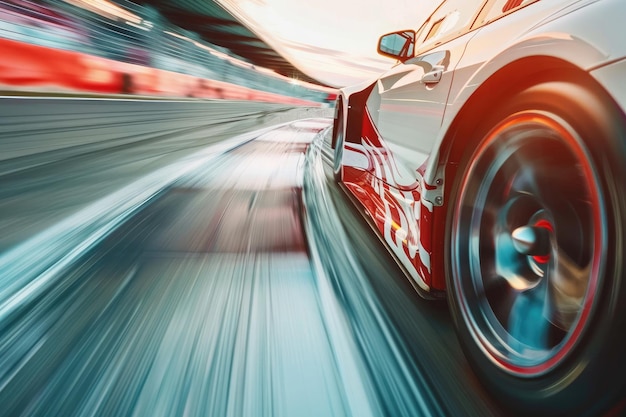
[[536, 247]]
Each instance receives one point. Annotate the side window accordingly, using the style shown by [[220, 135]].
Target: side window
[[502, 7], [434, 29], [451, 19]]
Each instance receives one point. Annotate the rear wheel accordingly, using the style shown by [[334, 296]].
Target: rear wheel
[[535, 251], [337, 140]]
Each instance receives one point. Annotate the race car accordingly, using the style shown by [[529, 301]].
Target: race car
[[491, 162]]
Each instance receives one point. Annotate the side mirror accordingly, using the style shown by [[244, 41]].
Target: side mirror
[[399, 45]]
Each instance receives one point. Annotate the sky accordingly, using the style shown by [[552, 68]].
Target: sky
[[333, 41]]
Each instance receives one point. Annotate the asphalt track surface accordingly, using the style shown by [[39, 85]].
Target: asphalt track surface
[[196, 259]]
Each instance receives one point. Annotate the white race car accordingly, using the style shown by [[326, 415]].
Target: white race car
[[491, 160]]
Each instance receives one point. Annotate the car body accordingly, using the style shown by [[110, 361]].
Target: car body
[[490, 160]]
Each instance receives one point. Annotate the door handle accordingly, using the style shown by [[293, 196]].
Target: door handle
[[434, 76]]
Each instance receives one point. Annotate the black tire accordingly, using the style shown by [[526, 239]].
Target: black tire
[[540, 313], [338, 142]]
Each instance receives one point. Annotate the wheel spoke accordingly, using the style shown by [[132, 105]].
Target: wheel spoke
[[567, 288], [497, 291], [527, 325]]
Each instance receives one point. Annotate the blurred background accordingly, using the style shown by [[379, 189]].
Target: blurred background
[[130, 48]]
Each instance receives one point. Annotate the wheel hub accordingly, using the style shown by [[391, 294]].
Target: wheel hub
[[533, 241], [523, 242]]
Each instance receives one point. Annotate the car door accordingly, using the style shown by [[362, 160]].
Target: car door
[[407, 105]]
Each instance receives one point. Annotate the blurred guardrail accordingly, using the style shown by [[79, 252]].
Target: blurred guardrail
[[127, 42]]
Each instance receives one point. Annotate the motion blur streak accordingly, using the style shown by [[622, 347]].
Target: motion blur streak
[[186, 291], [163, 259], [405, 394]]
